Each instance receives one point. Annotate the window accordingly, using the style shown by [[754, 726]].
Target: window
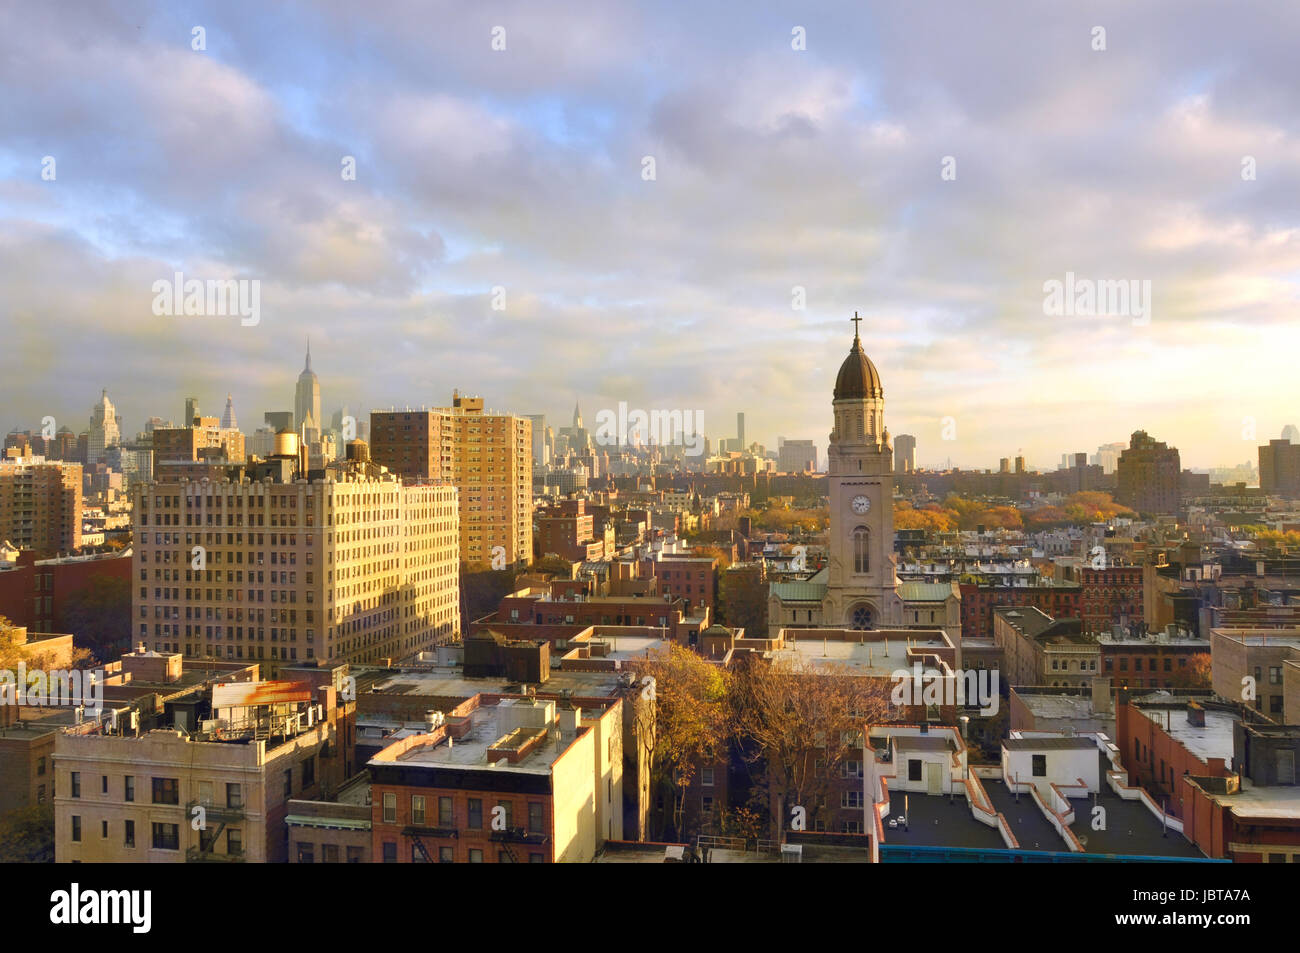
[[306, 853], [103, 784], [706, 777], [862, 550], [914, 769], [309, 772], [1040, 766], [76, 784], [850, 799], [535, 817], [417, 855], [103, 829], [851, 769], [166, 837], [166, 791], [354, 855], [288, 783], [234, 842], [475, 856], [234, 796], [76, 828], [446, 855], [1275, 674], [390, 849], [537, 858], [390, 814], [417, 809], [444, 812], [329, 853], [128, 834], [475, 814], [40, 766], [128, 788]]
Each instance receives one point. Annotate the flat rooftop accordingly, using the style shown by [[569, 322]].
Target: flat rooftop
[[489, 725], [1211, 740], [1048, 744], [1031, 829], [450, 682], [936, 821], [1060, 706], [881, 658], [1130, 827]]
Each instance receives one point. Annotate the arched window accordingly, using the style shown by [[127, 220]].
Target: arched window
[[862, 618], [862, 550]]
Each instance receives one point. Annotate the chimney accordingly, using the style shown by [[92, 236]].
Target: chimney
[[1101, 695], [1195, 715]]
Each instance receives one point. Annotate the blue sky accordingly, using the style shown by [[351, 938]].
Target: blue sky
[[776, 169]]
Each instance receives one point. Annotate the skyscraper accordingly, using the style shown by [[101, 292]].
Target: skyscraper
[[228, 416], [904, 453], [306, 397], [40, 504], [1279, 468], [105, 429]]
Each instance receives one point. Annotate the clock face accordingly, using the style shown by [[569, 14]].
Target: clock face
[[860, 504]]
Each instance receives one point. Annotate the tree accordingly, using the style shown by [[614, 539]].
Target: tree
[[99, 616], [686, 725], [742, 601], [27, 835], [799, 723], [1195, 674]]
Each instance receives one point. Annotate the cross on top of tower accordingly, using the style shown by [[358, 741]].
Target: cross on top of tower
[[855, 319]]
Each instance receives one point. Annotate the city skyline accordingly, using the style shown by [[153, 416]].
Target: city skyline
[[501, 218]]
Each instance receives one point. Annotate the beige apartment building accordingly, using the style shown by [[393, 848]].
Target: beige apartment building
[[40, 504], [205, 439], [1259, 667], [487, 457], [219, 792], [353, 569]]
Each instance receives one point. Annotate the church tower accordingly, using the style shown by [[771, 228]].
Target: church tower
[[862, 585]]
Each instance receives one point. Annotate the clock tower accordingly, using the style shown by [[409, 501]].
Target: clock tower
[[862, 586]]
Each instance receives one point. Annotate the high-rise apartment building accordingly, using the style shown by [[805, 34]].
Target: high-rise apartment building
[[105, 429], [40, 504], [797, 456], [1279, 468], [487, 457], [1147, 475], [352, 568], [205, 439], [904, 453]]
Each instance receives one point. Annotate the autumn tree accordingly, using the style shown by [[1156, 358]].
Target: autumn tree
[[798, 723], [685, 726], [1195, 674]]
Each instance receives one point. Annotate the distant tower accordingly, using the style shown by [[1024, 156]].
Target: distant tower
[[105, 429], [740, 431], [228, 417], [577, 417], [1291, 434], [306, 397], [191, 411]]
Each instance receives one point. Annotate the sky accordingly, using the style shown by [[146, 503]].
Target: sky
[[676, 205]]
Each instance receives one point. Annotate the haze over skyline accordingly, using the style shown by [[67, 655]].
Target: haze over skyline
[[522, 169]]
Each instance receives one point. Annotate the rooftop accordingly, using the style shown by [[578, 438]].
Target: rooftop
[[1211, 740]]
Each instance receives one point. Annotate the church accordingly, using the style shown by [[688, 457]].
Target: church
[[859, 587]]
